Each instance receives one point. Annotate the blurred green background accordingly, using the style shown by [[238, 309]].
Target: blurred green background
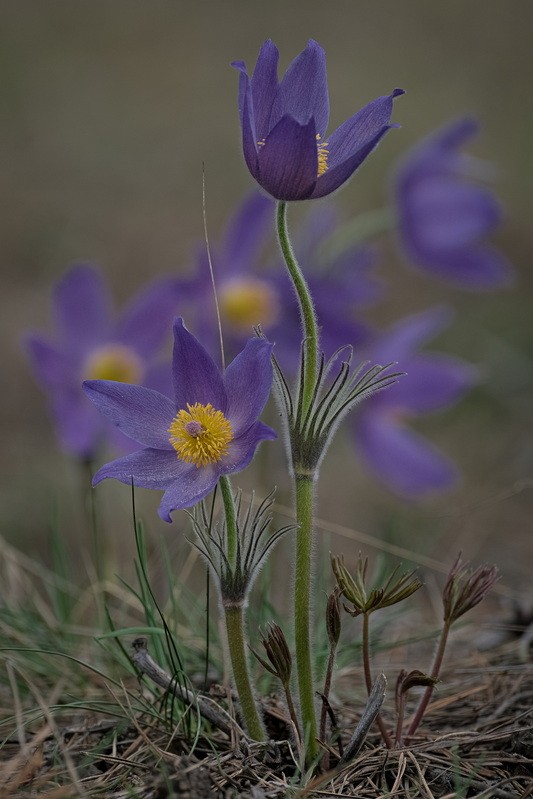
[[108, 111]]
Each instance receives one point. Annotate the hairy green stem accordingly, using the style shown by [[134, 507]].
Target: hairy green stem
[[302, 608], [307, 311], [435, 671], [236, 642], [368, 678], [304, 494], [231, 520]]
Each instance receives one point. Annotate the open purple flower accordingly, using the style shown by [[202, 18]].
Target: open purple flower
[[402, 458], [443, 217], [284, 126], [209, 429], [91, 344], [245, 297]]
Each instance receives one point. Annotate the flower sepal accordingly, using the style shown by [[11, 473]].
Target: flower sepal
[[254, 542]]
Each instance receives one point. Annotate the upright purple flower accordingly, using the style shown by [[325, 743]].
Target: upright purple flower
[[443, 217], [209, 429], [284, 126], [89, 343], [403, 459]]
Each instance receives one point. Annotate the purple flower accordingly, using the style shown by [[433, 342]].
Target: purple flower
[[403, 459], [248, 296], [284, 126], [443, 217], [209, 429], [90, 344], [245, 297], [341, 285]]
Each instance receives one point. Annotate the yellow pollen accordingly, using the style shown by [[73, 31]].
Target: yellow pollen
[[200, 434], [246, 302], [113, 362], [323, 153]]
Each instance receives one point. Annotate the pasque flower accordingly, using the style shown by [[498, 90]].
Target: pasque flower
[[284, 126], [444, 216], [209, 429], [401, 457], [90, 343], [249, 295]]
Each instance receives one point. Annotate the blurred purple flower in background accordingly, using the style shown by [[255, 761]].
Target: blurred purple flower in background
[[210, 429], [400, 457], [284, 125], [443, 217], [250, 296], [245, 297], [89, 343]]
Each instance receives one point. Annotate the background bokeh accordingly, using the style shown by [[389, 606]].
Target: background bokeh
[[109, 110]]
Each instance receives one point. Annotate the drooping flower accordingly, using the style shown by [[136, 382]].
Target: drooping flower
[[209, 429], [90, 343], [444, 216], [402, 458], [284, 126]]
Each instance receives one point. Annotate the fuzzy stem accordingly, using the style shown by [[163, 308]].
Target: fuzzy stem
[[368, 678], [307, 311], [231, 520], [235, 631], [399, 720], [327, 688], [302, 608], [435, 671], [292, 709], [323, 711]]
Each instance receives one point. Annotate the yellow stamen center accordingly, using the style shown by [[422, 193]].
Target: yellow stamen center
[[114, 362], [245, 302], [323, 153], [200, 434]]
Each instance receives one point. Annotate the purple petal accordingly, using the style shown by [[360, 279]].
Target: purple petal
[[303, 91], [333, 178], [404, 460], [264, 84], [453, 135], [82, 307], [245, 234], [431, 382], [147, 320], [444, 214], [288, 161], [196, 377], [148, 468], [140, 413], [248, 380], [249, 134], [405, 337], [241, 450], [362, 130], [79, 427], [193, 485], [50, 366], [476, 269]]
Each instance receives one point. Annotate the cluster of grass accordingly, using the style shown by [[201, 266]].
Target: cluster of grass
[[78, 719]]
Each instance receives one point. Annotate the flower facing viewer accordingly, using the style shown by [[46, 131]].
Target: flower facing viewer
[[210, 429], [443, 216], [284, 126], [91, 343]]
